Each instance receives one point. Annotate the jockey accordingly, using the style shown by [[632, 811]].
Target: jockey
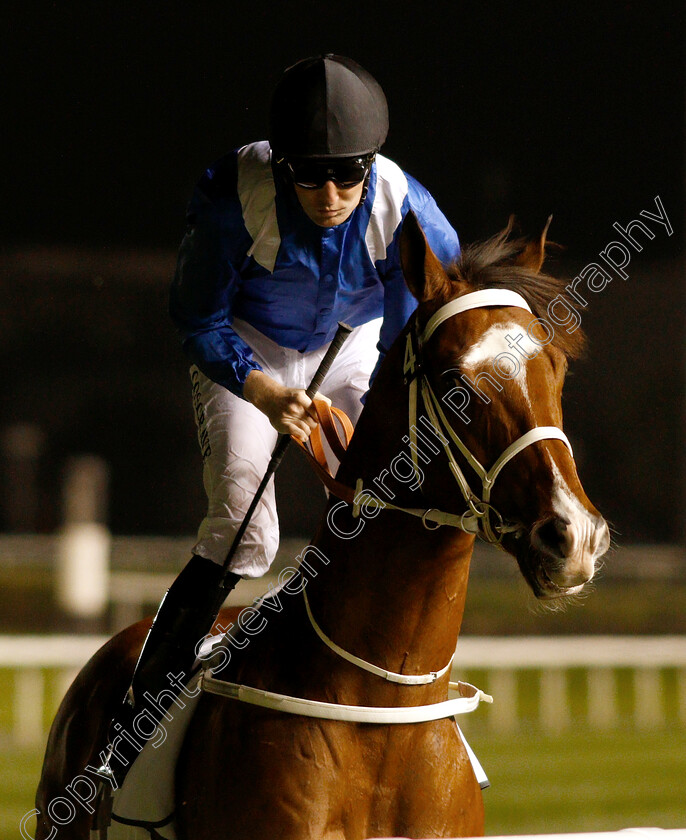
[[284, 239]]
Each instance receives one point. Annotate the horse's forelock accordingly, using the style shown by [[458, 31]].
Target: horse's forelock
[[490, 265]]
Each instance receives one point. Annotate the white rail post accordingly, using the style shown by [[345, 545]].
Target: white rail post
[[681, 694], [65, 678], [553, 700], [648, 698], [503, 716], [83, 552], [29, 698], [602, 698]]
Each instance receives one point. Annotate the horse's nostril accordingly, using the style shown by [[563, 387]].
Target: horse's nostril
[[552, 534], [567, 556]]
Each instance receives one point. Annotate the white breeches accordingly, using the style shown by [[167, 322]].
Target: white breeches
[[237, 440]]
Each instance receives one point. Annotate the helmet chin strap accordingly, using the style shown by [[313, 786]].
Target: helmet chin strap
[[365, 188]]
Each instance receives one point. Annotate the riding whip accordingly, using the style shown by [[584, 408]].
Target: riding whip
[[342, 333]]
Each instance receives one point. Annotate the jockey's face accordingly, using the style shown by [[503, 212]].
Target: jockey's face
[[329, 205]]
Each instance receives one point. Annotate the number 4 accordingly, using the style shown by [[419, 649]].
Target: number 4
[[409, 363]]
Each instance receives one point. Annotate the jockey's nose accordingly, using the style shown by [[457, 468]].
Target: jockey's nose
[[330, 190]]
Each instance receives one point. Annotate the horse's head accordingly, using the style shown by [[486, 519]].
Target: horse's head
[[489, 374]]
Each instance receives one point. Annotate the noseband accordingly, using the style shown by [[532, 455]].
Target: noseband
[[480, 518]]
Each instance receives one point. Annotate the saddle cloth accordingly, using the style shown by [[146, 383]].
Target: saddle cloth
[[143, 807]]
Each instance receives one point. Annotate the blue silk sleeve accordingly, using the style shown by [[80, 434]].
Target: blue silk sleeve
[[206, 282]]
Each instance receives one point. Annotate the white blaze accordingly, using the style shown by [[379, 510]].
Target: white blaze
[[585, 540], [505, 349]]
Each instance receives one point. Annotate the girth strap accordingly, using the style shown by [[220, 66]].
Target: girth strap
[[468, 701]]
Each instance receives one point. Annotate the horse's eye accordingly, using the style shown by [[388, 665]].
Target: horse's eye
[[449, 376]]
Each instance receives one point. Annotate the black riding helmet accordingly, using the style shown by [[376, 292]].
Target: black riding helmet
[[327, 107]]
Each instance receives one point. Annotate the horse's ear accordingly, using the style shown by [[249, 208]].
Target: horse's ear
[[533, 254], [425, 276]]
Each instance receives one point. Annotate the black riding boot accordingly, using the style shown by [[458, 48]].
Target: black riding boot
[[185, 616]]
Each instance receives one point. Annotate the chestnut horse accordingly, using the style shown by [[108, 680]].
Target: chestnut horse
[[483, 384]]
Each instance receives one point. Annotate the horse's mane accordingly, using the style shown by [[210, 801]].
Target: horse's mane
[[490, 264]]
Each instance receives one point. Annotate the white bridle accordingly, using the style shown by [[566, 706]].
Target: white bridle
[[477, 518]]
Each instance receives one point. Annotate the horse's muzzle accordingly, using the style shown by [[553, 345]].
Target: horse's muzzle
[[568, 552]]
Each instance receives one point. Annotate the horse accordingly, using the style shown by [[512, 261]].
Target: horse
[[475, 378]]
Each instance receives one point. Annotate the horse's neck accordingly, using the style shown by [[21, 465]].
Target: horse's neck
[[394, 593]]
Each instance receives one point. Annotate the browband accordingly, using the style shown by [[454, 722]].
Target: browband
[[473, 300]]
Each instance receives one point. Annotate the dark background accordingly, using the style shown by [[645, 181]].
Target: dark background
[[530, 107], [527, 108]]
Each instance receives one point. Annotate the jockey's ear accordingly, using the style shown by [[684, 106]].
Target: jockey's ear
[[425, 276], [533, 254]]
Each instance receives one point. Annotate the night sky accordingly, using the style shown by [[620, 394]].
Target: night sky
[[533, 108]]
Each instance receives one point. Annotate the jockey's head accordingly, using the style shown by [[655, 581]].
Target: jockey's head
[[328, 119]]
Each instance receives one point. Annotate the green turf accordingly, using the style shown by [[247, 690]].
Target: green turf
[[586, 781], [19, 772]]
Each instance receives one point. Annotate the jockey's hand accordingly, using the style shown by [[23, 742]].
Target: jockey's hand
[[289, 410]]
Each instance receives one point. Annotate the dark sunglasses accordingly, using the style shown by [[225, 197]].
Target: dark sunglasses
[[345, 173]]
